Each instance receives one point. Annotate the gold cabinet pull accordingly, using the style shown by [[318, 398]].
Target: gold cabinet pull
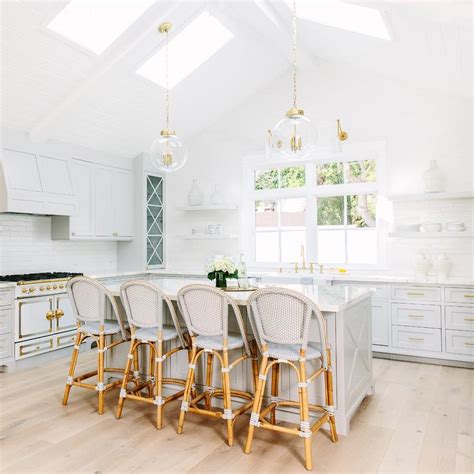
[[416, 316], [469, 343], [468, 319], [468, 296], [416, 338], [415, 293], [50, 315], [59, 313]]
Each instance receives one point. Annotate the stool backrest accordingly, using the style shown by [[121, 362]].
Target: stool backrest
[[205, 310], [89, 300], [283, 316], [145, 303]]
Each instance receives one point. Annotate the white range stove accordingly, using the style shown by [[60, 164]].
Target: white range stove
[[44, 320]]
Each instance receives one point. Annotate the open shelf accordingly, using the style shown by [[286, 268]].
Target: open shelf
[[431, 196], [430, 235], [210, 207], [208, 236]]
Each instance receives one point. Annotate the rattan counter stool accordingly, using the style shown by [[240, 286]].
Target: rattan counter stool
[[206, 312], [89, 300], [144, 304], [280, 319]]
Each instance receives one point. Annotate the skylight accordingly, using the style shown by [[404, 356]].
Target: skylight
[[190, 48], [95, 25], [347, 16]]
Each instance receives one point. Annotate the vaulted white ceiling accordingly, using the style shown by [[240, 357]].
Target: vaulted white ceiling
[[53, 89]]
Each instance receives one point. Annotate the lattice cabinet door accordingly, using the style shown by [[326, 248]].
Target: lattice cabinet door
[[154, 221]]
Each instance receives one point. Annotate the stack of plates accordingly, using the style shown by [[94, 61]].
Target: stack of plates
[[455, 227]]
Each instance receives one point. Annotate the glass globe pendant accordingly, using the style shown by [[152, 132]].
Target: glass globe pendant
[[168, 152], [294, 136]]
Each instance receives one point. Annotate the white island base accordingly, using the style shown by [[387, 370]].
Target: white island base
[[347, 312]]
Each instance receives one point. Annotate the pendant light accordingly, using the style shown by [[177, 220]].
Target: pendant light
[[293, 136], [168, 152]]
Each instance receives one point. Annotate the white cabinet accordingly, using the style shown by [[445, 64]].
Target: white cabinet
[[105, 204], [380, 322], [104, 201], [123, 203], [82, 220]]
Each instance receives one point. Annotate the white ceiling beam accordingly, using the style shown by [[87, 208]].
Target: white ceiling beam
[[146, 24]]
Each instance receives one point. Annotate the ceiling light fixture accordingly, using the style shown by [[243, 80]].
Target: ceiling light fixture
[[341, 134], [167, 151], [293, 136]]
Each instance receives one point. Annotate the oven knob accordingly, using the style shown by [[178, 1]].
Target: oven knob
[[41, 288], [31, 290], [24, 290], [61, 286], [55, 287], [48, 287]]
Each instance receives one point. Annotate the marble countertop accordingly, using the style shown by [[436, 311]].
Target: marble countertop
[[327, 298]]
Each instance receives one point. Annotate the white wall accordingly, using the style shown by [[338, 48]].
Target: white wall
[[417, 125], [26, 247]]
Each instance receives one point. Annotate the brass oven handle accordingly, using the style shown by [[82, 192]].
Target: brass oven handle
[[50, 315], [59, 313]]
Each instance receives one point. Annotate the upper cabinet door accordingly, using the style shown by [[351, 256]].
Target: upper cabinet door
[[21, 171], [104, 201], [123, 203], [55, 175], [82, 220]]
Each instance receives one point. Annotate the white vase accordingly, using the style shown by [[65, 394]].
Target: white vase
[[217, 198], [422, 265], [441, 266], [195, 196], [433, 179]]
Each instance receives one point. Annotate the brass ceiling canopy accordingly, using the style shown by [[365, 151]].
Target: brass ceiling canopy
[[165, 27]]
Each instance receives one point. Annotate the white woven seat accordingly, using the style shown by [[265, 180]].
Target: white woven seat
[[92, 327], [147, 308], [207, 312], [151, 334], [281, 321], [234, 341], [91, 303], [292, 351]]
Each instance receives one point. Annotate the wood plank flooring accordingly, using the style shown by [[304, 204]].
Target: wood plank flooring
[[419, 420]]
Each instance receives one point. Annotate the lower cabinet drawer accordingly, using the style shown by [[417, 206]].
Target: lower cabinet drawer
[[6, 345], [422, 339], [418, 315], [380, 323], [33, 347], [459, 318], [6, 297], [64, 340], [459, 295], [416, 293], [460, 342]]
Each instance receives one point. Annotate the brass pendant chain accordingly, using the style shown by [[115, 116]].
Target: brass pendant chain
[[294, 54], [167, 84]]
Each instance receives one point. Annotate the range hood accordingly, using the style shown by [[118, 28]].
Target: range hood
[[32, 183]]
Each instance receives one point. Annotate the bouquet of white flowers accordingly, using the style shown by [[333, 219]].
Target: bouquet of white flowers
[[220, 269]]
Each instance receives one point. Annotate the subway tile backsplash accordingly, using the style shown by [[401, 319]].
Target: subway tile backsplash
[[26, 246]]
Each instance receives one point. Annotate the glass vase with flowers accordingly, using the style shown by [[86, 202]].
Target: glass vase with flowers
[[220, 269]]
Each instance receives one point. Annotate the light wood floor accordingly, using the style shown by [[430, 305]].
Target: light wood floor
[[420, 419]]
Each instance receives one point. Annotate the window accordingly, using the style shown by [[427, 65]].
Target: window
[[279, 230], [333, 214], [96, 25], [154, 221], [190, 48], [356, 18]]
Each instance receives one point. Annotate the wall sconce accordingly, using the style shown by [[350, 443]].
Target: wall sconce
[[341, 134]]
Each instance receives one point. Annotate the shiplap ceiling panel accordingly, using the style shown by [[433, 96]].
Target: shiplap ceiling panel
[[56, 90]]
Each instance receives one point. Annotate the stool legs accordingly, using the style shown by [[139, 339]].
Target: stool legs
[[275, 384], [329, 399], [128, 365], [100, 374], [304, 412], [187, 389], [72, 366], [257, 402], [227, 399], [159, 383], [210, 359]]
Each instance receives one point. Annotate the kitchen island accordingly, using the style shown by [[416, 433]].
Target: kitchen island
[[347, 311]]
